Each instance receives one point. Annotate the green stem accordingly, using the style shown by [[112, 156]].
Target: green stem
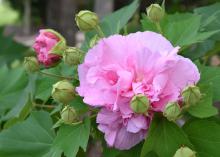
[[159, 27], [125, 30], [79, 122], [99, 31], [44, 106], [56, 76]]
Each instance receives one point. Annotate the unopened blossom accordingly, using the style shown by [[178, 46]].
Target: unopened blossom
[[43, 45], [119, 67]]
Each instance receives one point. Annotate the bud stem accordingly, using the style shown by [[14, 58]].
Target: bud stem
[[57, 76], [99, 31], [159, 27], [43, 106]]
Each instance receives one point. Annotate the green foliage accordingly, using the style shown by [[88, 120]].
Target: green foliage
[[33, 137], [205, 136], [187, 26], [114, 22], [204, 108], [211, 75], [164, 138], [10, 50], [10, 88], [70, 138], [210, 18]]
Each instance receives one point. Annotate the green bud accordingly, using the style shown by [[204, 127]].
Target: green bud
[[31, 64], [60, 45], [140, 103], [185, 152], [68, 115], [86, 20], [72, 56], [191, 95], [94, 40], [155, 12], [63, 91], [172, 111]]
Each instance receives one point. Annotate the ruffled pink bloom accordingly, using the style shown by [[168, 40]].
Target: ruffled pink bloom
[[119, 67], [122, 131], [44, 42]]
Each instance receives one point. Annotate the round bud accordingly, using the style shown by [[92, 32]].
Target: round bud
[[155, 12], [140, 103], [86, 20], [72, 56], [31, 64], [191, 95], [68, 115], [63, 92], [172, 111], [185, 152], [94, 40]]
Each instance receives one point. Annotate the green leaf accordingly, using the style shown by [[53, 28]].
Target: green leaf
[[32, 137], [211, 75], [185, 30], [79, 105], [164, 138], [70, 138], [204, 108], [15, 93], [205, 136], [12, 83], [21, 98], [182, 29], [199, 50], [113, 23], [22, 115], [44, 87], [210, 18]]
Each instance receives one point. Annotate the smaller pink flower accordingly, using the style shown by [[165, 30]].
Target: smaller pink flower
[[43, 45]]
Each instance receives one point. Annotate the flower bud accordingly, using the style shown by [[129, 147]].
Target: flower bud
[[31, 64], [155, 12], [86, 20], [140, 103], [63, 91], [185, 152], [172, 111], [191, 95], [72, 56], [68, 115], [94, 40], [49, 46]]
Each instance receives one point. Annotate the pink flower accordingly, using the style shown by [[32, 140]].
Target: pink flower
[[122, 131], [119, 67], [43, 46]]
